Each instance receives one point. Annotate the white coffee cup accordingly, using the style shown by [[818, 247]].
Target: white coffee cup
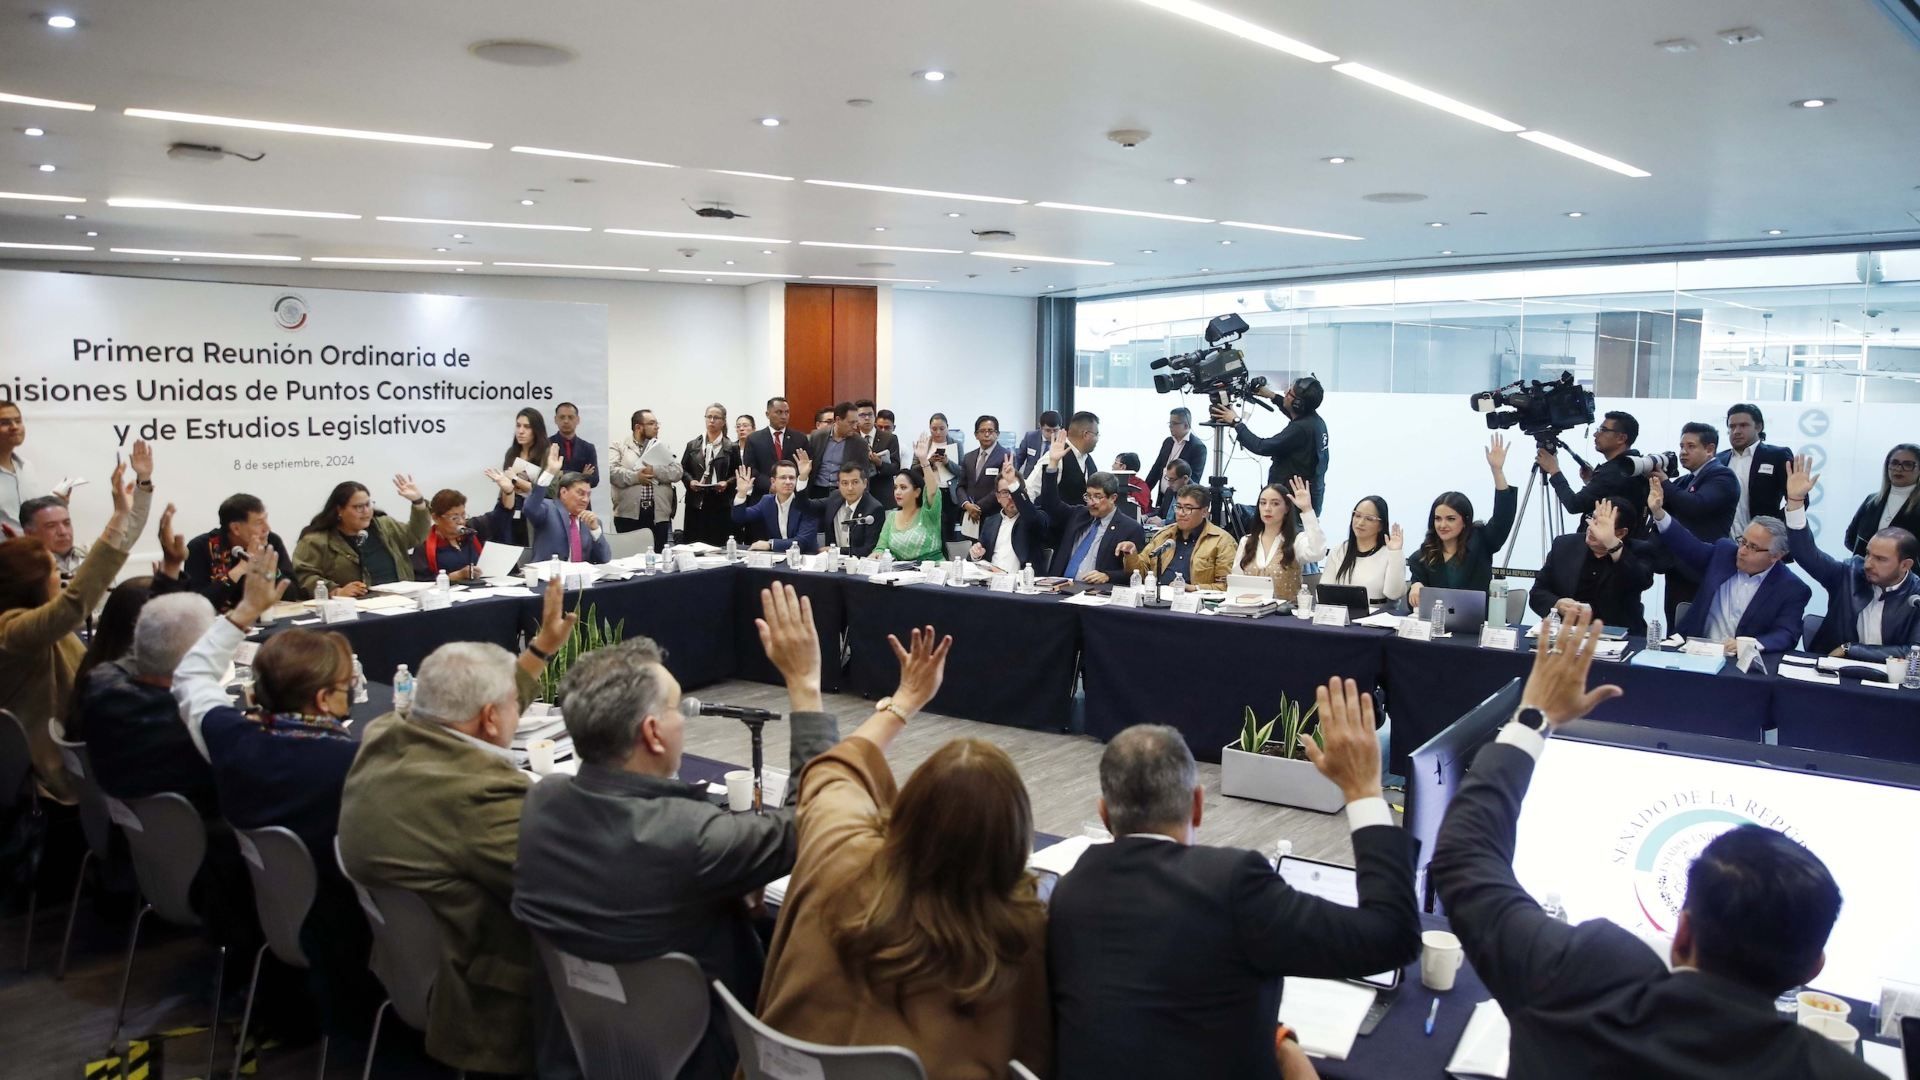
[[1812, 1003], [1440, 959], [739, 790], [1835, 1028], [540, 756], [530, 575], [1896, 670]]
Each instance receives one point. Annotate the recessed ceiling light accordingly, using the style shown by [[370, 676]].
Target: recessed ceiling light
[[482, 224], [443, 249], [48, 168], [1591, 157], [1449, 251], [727, 273], [1775, 232], [753, 175], [304, 129], [769, 121], [1576, 213], [545, 152], [1424, 96], [1148, 251], [697, 236], [879, 228], [730, 262], [1040, 258], [45, 247], [919, 191], [1241, 28], [1290, 230], [1226, 243], [1125, 213], [459, 269], [30, 197], [1181, 181], [709, 281], [211, 208], [931, 75], [1049, 286], [45, 103], [33, 133], [526, 202], [1811, 103], [92, 233], [71, 217], [955, 213], [516, 52], [1206, 269], [371, 261], [177, 255], [1676, 45], [1336, 160], [576, 266], [62, 22], [875, 247], [896, 280], [1436, 224], [766, 251]]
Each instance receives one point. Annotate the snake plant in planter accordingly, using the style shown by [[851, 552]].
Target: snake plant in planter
[[589, 633], [1275, 770]]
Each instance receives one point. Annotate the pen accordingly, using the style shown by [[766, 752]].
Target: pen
[[1432, 1011]]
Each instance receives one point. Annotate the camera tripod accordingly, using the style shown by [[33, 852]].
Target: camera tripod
[[1552, 515]]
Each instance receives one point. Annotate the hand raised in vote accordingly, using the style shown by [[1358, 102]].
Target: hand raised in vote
[[404, 486], [791, 641], [1656, 501], [802, 462], [743, 481], [1800, 478], [554, 458], [141, 458], [260, 592], [556, 622], [923, 666], [1348, 753], [1396, 539], [1057, 450], [502, 481], [1300, 493], [1558, 684], [121, 491], [1497, 453], [921, 445], [173, 548]]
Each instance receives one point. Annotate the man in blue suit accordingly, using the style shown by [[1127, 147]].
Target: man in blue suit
[[776, 520], [565, 529], [1033, 445], [1013, 534], [1744, 591], [1873, 602], [1702, 502], [1089, 533]]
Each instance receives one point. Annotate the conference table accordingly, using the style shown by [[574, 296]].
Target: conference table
[[1021, 660]]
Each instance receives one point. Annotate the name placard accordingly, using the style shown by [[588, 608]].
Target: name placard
[[434, 600], [1331, 615], [1499, 637], [1695, 647], [337, 611], [1005, 583], [1126, 596], [1188, 602], [1415, 629]]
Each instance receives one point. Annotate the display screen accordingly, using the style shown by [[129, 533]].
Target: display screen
[[1341, 885], [1613, 830]]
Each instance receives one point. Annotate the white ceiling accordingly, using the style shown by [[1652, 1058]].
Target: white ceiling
[[1035, 86]]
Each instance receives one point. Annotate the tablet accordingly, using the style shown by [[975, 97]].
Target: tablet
[[1336, 883]]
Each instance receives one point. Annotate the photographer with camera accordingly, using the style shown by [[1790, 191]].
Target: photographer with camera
[[1702, 502], [1621, 478], [1301, 447]]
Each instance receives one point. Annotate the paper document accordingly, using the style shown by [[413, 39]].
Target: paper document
[[1674, 661], [969, 527], [498, 560], [1800, 674], [386, 603], [1859, 669], [526, 468], [776, 890], [1326, 1014], [1380, 620], [1088, 600], [1063, 856], [657, 456], [1482, 1050], [402, 588]]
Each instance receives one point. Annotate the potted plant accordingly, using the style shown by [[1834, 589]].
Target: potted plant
[[589, 633], [1260, 766]]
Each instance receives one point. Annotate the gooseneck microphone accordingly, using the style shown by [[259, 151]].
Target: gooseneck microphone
[[693, 707]]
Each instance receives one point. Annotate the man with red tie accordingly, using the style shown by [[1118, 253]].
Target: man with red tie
[[576, 454], [563, 528], [773, 443]]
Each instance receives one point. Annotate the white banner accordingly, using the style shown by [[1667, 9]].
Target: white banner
[[283, 393]]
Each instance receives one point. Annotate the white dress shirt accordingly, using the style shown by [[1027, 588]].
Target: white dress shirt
[[1896, 501], [17, 485], [1086, 471], [1741, 462], [1003, 555], [1382, 571], [1730, 603], [780, 514]]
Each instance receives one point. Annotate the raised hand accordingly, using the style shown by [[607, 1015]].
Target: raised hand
[[1301, 495], [1497, 454], [923, 666], [803, 462], [403, 485], [1656, 501], [1800, 478], [791, 641], [141, 458], [1601, 523], [1351, 754], [260, 591], [1057, 450], [554, 457], [1558, 684], [743, 482], [502, 481], [556, 622], [173, 549], [1396, 539], [920, 447]]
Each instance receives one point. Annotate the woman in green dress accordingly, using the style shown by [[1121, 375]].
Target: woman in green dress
[[912, 533]]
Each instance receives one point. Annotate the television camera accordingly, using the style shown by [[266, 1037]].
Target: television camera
[[1219, 370], [1543, 410]]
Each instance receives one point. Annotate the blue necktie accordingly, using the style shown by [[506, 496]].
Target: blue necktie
[[1081, 549]]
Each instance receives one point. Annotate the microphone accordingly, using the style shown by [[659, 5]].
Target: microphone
[[693, 708], [1158, 548], [1160, 363], [863, 519]]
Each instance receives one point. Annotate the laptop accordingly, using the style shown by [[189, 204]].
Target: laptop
[[1351, 597], [1466, 609], [1257, 586], [1336, 883]]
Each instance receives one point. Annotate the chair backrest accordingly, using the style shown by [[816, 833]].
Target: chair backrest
[[16, 761], [95, 823], [168, 842], [1680, 613], [1517, 605], [406, 944], [634, 1021], [623, 544], [1810, 629], [959, 549], [765, 1054], [284, 883], [1020, 1072]]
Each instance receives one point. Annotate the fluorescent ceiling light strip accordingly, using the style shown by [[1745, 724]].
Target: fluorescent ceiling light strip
[[45, 103], [697, 236], [45, 247], [482, 224], [918, 191], [167, 204], [752, 175], [881, 247], [29, 196], [202, 254], [897, 280], [576, 266], [726, 273], [1241, 28], [545, 152], [1292, 231], [392, 262], [305, 129], [1124, 213], [1039, 258], [1425, 96], [1591, 157]]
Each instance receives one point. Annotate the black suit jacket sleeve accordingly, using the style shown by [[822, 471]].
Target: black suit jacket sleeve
[[1612, 480], [1713, 501], [1285, 931]]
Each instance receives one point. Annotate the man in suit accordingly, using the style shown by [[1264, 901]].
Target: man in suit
[[216, 566], [827, 450], [1176, 475], [1702, 502], [1301, 448], [1179, 445], [432, 805], [643, 497], [980, 468], [883, 446], [1615, 478], [1760, 468], [624, 861], [1598, 567], [775, 442], [777, 520], [1091, 533], [1014, 535], [564, 530], [576, 453], [1873, 601], [1033, 444], [849, 516], [1166, 957], [1082, 434], [1593, 1001], [1743, 590]]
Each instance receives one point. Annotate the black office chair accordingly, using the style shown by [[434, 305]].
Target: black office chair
[[1810, 629]]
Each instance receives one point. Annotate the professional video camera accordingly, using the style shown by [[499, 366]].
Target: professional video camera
[[1542, 410], [1219, 370]]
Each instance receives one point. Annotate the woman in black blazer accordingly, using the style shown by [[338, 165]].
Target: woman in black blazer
[[1900, 482], [709, 464]]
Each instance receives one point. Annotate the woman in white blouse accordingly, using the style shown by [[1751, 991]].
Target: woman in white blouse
[[1363, 559], [1288, 537]]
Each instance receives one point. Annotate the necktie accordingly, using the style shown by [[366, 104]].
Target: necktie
[[573, 540], [980, 464], [777, 450], [1081, 549]]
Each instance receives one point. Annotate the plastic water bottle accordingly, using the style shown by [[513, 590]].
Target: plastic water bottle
[[833, 558], [442, 583], [1178, 584], [1553, 628], [1656, 633], [1553, 907], [1497, 602], [359, 683], [793, 556], [1134, 580], [1439, 617], [733, 549], [402, 689], [1304, 601], [320, 591], [1151, 586], [1912, 681], [1026, 577], [1282, 848]]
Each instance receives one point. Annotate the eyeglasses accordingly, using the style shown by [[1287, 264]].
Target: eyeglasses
[[1901, 466], [1183, 508], [457, 515], [1357, 516], [1757, 549]]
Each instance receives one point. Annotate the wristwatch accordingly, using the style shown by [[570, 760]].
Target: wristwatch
[[1530, 716], [886, 704]]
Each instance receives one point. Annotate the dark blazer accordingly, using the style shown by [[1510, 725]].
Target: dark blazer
[[210, 556], [1193, 453], [1299, 450], [576, 454], [1029, 453], [1866, 522], [1592, 1001], [803, 522], [1074, 521], [1030, 528], [448, 557], [1612, 480], [1847, 594], [550, 540], [1619, 603], [1474, 568], [1703, 502], [757, 454], [1072, 481], [1773, 615], [1166, 960], [138, 745], [854, 450], [863, 532], [1766, 490], [981, 491]]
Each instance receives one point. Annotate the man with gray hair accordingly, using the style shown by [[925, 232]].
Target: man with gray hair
[[1743, 593], [626, 861], [432, 805], [1088, 535], [128, 718], [1166, 958]]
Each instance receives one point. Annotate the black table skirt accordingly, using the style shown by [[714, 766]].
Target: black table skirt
[[1865, 721], [1013, 656], [1199, 673], [384, 642], [690, 615], [822, 591]]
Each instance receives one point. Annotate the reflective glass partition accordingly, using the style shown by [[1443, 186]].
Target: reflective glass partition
[[1827, 344]]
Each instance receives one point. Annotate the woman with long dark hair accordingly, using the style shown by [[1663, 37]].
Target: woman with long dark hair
[[508, 525], [351, 548], [708, 462], [913, 532], [1289, 536], [1458, 551], [1896, 505], [1370, 555]]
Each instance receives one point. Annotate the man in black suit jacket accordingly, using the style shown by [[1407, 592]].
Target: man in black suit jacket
[[822, 459], [1192, 451], [1082, 435], [1176, 475], [1702, 502], [1014, 534], [1761, 468], [1597, 566], [1033, 444], [775, 442], [1088, 533], [1593, 1000], [979, 476], [1166, 958], [849, 516]]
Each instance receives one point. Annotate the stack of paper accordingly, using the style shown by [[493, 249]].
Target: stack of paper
[[1483, 1046], [1088, 600], [1325, 1014], [1380, 620], [776, 890], [402, 588], [1063, 856]]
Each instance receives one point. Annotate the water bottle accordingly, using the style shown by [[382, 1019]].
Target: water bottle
[[793, 556], [359, 683], [1134, 580], [1912, 681], [1553, 628], [1497, 602], [1026, 578], [1656, 633], [733, 549], [402, 689], [442, 583], [833, 558], [1438, 617], [1151, 584], [1554, 908], [320, 591], [1282, 849], [1304, 601], [1178, 584]]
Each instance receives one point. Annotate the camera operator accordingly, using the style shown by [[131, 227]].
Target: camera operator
[[1301, 447], [1619, 478]]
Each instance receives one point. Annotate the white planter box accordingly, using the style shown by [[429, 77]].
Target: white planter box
[[1284, 781]]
